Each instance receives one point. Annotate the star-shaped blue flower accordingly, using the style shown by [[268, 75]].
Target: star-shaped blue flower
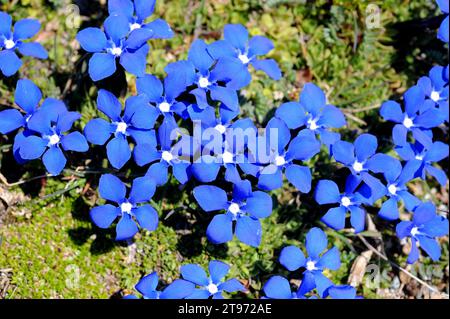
[[293, 259], [127, 208], [423, 229], [243, 212], [136, 121], [10, 41]]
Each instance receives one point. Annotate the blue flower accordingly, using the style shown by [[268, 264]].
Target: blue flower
[[426, 152], [278, 287], [244, 210], [136, 121], [423, 229], [166, 155], [292, 258], [272, 160], [212, 286], [435, 87], [49, 140], [238, 45], [361, 158], [162, 99], [27, 97], [327, 192], [137, 12], [443, 29], [147, 287], [114, 44], [128, 210], [314, 113], [217, 80], [420, 115], [10, 41], [396, 190]]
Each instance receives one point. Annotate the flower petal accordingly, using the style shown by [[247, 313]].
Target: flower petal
[[111, 188], [54, 160], [9, 62], [292, 258], [210, 198], [126, 228], [218, 270], [316, 242], [103, 216], [101, 66], [26, 28], [259, 205], [92, 39], [147, 217], [248, 230], [33, 49], [220, 229], [10, 120], [98, 131], [118, 151], [194, 273], [277, 287]]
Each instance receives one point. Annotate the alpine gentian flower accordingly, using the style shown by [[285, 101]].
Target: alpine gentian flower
[[137, 12], [426, 153], [226, 149], [327, 192], [278, 287], [27, 97], [435, 87], [50, 139], [343, 292], [167, 155], [113, 44], [314, 113], [244, 210], [423, 229], [162, 99], [443, 29], [129, 211], [206, 73], [214, 285], [281, 157], [316, 242], [361, 158], [179, 289], [238, 45], [136, 122], [396, 190], [11, 40], [419, 115]]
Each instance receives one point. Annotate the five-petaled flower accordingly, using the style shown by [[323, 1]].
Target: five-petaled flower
[[425, 226], [236, 44], [112, 44], [244, 210], [212, 286], [293, 258], [10, 41], [48, 139], [314, 113], [128, 209], [135, 121]]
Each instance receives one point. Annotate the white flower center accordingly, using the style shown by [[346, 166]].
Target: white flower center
[[53, 140], [414, 231], [203, 82], [135, 26], [116, 51], [164, 107], [313, 125], [435, 96], [244, 58], [126, 207], [9, 44], [280, 161], [167, 156], [234, 208], [407, 122], [311, 265], [121, 127], [222, 129], [345, 201], [419, 157], [358, 167], [212, 288], [392, 189], [227, 157]]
